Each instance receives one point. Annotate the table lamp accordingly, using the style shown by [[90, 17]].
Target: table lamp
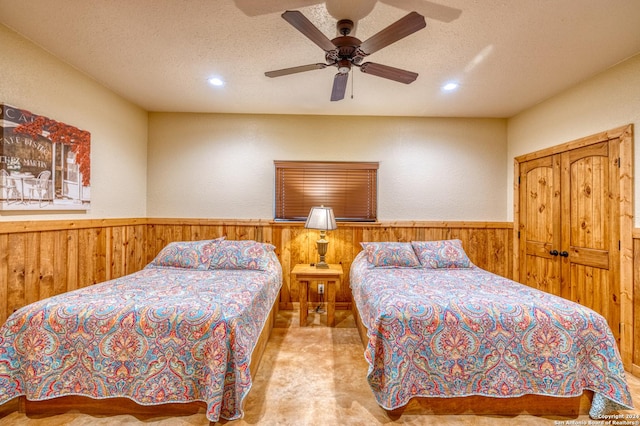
[[321, 218]]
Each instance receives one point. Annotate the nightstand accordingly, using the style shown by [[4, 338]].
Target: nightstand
[[304, 274]]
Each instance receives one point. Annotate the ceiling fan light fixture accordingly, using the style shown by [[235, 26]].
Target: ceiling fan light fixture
[[352, 9], [344, 66]]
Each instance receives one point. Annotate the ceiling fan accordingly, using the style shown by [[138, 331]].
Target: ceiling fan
[[346, 51]]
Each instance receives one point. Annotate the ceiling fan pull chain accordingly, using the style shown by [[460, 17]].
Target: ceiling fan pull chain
[[353, 77]]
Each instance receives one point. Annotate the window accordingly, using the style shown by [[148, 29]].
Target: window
[[350, 188]]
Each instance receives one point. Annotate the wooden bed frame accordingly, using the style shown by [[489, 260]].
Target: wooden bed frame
[[117, 406], [536, 405]]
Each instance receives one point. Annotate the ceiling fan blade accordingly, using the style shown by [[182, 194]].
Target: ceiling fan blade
[[394, 32], [429, 9], [302, 24], [386, 71], [339, 86], [293, 70]]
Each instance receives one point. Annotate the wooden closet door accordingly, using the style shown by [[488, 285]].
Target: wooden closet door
[[540, 235], [569, 227], [590, 231]]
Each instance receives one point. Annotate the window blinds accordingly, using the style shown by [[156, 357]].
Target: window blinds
[[350, 188]]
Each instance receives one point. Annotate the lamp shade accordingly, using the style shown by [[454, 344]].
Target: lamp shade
[[321, 218]]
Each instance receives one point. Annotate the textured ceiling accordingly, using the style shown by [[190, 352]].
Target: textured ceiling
[[507, 55]]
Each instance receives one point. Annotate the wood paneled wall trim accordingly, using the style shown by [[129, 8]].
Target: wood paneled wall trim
[[57, 225], [54, 225], [618, 132], [280, 223], [211, 222], [437, 224], [39, 259]]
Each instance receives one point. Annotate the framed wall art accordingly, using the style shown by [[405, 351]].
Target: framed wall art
[[44, 164]]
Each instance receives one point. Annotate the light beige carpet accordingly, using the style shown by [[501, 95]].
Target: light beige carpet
[[308, 376]]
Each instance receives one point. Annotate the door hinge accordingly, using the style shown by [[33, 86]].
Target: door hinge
[[518, 234], [518, 180], [619, 245], [618, 162]]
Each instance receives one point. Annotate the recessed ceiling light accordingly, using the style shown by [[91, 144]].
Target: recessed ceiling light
[[216, 81], [450, 86]]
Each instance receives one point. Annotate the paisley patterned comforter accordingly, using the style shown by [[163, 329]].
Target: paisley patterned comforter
[[461, 332], [156, 336]]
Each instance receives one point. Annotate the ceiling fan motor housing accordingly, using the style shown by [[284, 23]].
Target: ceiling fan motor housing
[[346, 48]]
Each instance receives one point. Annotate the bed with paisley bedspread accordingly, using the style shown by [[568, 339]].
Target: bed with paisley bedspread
[[435, 327], [182, 330]]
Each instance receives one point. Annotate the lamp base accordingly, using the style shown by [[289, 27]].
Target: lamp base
[[322, 244]]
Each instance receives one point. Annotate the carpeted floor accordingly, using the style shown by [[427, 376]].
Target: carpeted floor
[[309, 376]]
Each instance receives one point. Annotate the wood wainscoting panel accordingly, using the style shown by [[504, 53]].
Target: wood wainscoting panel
[[636, 303], [489, 244], [43, 259], [15, 279]]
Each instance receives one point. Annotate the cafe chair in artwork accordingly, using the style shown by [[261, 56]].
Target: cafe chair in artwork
[[8, 189], [40, 188]]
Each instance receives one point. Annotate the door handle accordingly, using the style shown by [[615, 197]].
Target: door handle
[[564, 254], [553, 252]]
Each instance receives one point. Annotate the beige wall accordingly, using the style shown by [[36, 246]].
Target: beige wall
[[32, 79], [606, 101], [221, 165]]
